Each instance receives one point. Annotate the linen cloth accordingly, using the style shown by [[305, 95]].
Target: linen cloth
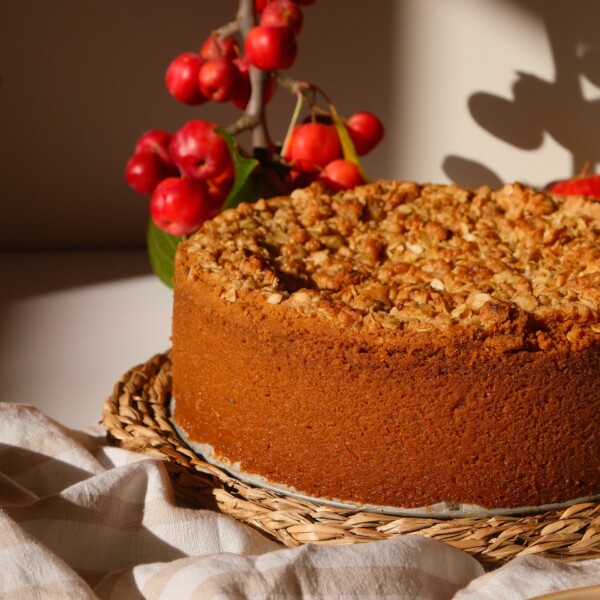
[[81, 519]]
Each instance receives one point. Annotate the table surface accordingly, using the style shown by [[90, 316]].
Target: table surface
[[72, 323]]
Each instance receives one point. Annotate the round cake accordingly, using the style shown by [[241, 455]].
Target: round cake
[[396, 344]]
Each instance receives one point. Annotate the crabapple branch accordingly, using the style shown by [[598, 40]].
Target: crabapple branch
[[245, 17], [191, 174], [308, 91], [227, 30], [256, 108], [254, 115], [244, 123]]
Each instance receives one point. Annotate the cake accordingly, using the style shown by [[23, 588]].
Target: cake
[[396, 344]]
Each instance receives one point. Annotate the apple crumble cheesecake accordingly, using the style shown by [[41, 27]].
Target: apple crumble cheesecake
[[397, 344]]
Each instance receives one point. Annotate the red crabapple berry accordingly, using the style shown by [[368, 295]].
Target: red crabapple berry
[[216, 47], [145, 170], [583, 184], [365, 130], [182, 79], [179, 206], [259, 5], [588, 185], [198, 151], [271, 48], [341, 174], [313, 145], [155, 140], [219, 79], [282, 13]]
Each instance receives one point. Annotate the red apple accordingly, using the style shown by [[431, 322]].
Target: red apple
[[219, 79], [365, 130], [155, 140], [179, 206], [145, 170], [282, 13], [182, 79], [312, 146], [215, 47], [271, 48], [341, 174], [198, 151], [583, 185]]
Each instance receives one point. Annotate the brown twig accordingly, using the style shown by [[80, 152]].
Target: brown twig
[[309, 91], [245, 123], [227, 30], [253, 118], [245, 17]]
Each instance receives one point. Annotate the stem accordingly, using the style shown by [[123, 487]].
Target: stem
[[305, 88], [254, 116], [245, 17], [585, 169], [227, 30], [244, 123], [256, 108], [293, 121]]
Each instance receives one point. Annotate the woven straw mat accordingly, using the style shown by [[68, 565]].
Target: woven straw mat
[[136, 417]]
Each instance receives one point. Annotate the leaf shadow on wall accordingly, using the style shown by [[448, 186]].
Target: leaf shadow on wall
[[538, 106]]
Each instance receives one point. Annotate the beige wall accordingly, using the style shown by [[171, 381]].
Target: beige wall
[[480, 91], [82, 79], [493, 91]]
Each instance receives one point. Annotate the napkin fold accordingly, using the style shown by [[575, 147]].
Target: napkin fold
[[81, 519]]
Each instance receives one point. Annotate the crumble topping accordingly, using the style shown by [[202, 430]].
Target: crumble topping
[[399, 255]]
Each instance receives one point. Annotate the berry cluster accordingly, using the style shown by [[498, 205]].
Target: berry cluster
[[189, 174], [314, 150]]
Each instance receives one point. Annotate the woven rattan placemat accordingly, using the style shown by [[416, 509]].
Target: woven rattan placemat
[[136, 417]]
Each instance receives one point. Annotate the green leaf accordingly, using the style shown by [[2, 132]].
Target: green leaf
[[244, 187], [347, 144], [161, 252]]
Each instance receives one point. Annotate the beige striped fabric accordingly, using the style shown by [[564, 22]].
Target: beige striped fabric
[[80, 519]]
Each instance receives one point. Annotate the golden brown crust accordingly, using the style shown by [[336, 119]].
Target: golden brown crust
[[401, 256], [284, 363]]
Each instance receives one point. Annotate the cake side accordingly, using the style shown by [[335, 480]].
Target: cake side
[[348, 415]]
